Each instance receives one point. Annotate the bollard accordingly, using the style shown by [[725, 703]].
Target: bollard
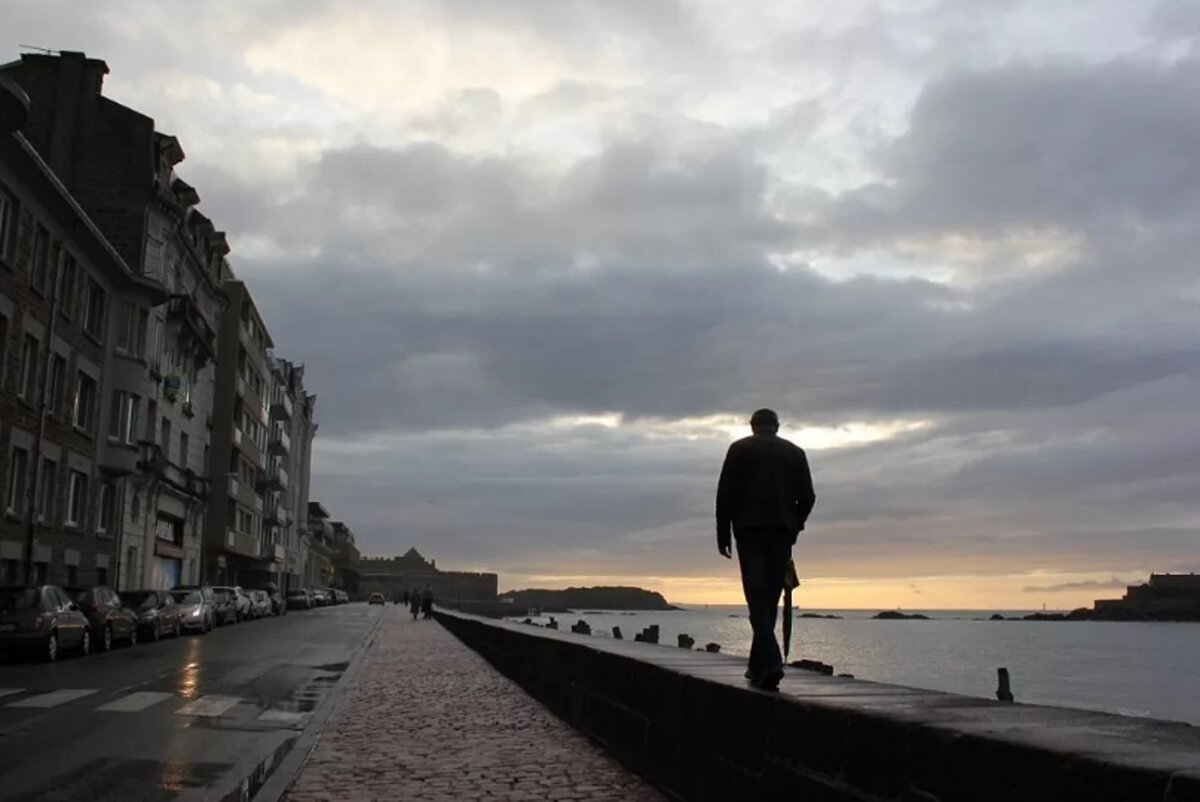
[[617, 633], [685, 641], [581, 627], [1003, 689], [712, 648], [552, 624]]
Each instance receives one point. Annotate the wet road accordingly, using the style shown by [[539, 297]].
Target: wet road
[[176, 720]]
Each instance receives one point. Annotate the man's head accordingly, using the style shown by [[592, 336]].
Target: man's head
[[764, 421]]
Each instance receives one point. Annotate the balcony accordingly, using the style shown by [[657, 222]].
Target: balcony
[[182, 311], [274, 478], [237, 438], [281, 404], [281, 442], [234, 487], [241, 543], [153, 461], [258, 504], [281, 515], [241, 386]]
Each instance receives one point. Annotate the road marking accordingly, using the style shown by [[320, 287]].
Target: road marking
[[243, 675], [9, 691], [54, 698], [280, 716], [208, 706], [136, 702]]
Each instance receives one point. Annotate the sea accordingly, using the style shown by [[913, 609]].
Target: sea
[[1144, 669]]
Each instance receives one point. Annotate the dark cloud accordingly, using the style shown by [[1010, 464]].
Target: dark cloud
[[1062, 587]]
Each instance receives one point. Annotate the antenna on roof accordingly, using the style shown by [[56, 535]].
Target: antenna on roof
[[45, 50]]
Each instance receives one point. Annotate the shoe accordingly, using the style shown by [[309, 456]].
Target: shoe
[[769, 679], [749, 674]]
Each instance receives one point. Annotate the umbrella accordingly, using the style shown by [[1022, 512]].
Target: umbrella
[[790, 583]]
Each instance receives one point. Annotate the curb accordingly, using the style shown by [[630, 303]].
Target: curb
[[271, 778]]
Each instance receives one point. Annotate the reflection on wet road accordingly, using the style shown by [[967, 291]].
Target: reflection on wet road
[[178, 719]]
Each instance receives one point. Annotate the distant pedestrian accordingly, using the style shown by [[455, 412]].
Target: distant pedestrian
[[764, 497], [414, 604], [427, 602]]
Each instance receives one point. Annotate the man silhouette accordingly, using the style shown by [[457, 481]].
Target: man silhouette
[[764, 496]]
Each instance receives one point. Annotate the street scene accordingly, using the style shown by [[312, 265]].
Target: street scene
[[195, 716]]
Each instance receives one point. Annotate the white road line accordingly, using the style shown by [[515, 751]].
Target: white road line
[[136, 702], [208, 706], [54, 698], [280, 716], [9, 691]]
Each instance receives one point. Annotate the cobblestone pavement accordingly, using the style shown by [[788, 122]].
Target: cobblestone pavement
[[429, 720]]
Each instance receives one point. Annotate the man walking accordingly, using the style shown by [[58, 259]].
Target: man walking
[[763, 499]]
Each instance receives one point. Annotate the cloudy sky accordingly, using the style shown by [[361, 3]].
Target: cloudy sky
[[542, 259]]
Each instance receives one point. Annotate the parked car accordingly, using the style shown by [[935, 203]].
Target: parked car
[[195, 611], [299, 599], [157, 613], [41, 619], [342, 596], [109, 620], [260, 603], [376, 598], [278, 603], [321, 597], [240, 599], [224, 607]]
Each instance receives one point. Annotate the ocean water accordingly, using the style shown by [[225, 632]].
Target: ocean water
[[1133, 668]]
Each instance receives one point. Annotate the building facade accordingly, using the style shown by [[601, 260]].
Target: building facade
[[393, 576], [292, 432], [64, 471]]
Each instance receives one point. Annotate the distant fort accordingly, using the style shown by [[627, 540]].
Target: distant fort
[[391, 576], [1166, 597]]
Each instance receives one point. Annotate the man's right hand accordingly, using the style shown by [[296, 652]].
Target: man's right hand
[[725, 545]]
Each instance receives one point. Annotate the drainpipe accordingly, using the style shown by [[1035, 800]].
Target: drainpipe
[[43, 411]]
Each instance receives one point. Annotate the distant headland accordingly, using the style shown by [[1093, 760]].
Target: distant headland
[[1166, 597], [597, 598]]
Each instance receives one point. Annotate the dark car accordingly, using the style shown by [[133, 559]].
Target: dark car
[[108, 617], [299, 599], [157, 613], [321, 597], [224, 607], [43, 620], [376, 598]]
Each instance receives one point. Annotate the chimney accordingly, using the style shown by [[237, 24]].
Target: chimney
[[80, 82]]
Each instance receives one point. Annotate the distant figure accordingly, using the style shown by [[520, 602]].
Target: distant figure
[[764, 496], [404, 598], [427, 602], [414, 604]]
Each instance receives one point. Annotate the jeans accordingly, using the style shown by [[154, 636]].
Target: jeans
[[763, 560]]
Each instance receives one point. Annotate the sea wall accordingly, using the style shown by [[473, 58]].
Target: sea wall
[[687, 722]]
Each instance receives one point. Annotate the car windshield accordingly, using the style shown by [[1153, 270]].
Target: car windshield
[[187, 596], [18, 598], [140, 601]]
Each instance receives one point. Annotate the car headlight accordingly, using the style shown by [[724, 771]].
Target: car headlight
[[196, 613]]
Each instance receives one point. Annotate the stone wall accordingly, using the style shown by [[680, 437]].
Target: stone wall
[[687, 722]]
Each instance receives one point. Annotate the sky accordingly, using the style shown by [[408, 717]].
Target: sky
[[542, 259]]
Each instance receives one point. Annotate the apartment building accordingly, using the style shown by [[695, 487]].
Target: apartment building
[[243, 469], [292, 431], [69, 445], [121, 170]]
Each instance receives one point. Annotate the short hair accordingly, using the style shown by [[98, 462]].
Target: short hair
[[764, 417]]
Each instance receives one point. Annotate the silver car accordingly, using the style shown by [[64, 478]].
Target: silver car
[[196, 612]]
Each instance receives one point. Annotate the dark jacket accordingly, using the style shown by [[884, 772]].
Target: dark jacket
[[765, 484]]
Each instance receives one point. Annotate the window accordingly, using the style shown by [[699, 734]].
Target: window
[[122, 423], [29, 354], [77, 500], [18, 463], [72, 576], [131, 329], [8, 571], [183, 450], [107, 507], [39, 270], [102, 577], [8, 225], [131, 554], [164, 438], [40, 572], [84, 413], [95, 307], [58, 382], [45, 491], [156, 343], [67, 279], [3, 349]]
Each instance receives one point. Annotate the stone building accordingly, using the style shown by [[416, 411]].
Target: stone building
[[392, 576], [292, 432], [1165, 596], [318, 570], [69, 444], [121, 169]]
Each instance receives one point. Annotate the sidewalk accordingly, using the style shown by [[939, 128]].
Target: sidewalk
[[429, 720]]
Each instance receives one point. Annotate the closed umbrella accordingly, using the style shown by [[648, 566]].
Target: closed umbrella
[[790, 583]]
